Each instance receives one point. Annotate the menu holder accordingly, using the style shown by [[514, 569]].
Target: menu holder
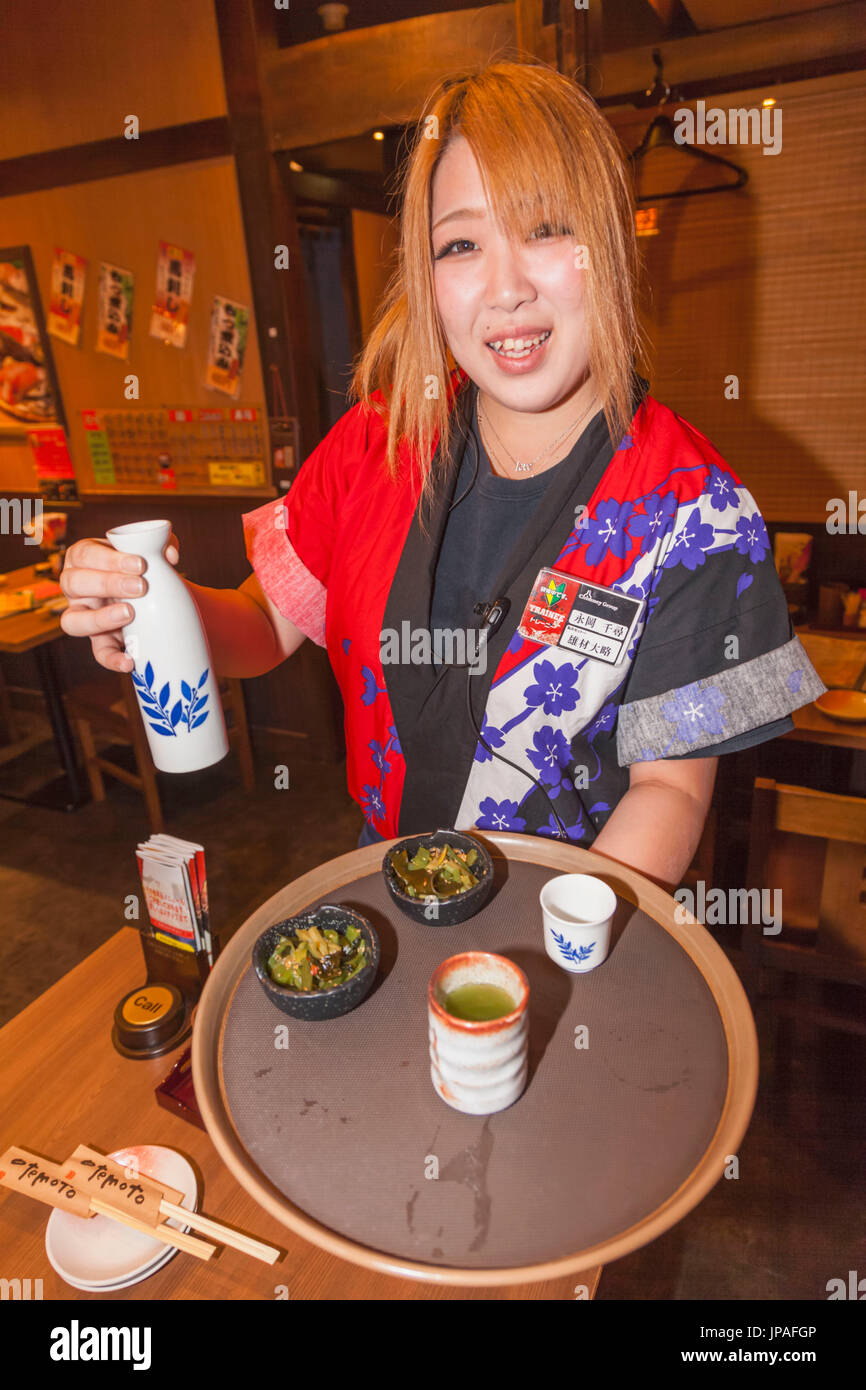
[[178, 948], [186, 970]]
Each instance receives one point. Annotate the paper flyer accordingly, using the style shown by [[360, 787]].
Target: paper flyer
[[193, 855], [67, 296], [51, 456], [228, 341], [168, 900], [114, 310], [175, 271]]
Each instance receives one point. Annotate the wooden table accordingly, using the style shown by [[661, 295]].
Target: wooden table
[[64, 1084], [839, 658], [35, 631]]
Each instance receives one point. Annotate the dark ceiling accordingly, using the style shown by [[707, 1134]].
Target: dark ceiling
[[627, 23], [300, 22]]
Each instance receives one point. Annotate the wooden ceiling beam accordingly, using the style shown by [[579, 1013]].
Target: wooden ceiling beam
[[351, 82], [309, 186], [830, 34]]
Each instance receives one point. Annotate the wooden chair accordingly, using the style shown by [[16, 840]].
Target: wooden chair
[[812, 846], [110, 707], [8, 720]]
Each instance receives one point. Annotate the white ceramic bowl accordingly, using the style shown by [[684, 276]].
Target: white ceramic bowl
[[103, 1254]]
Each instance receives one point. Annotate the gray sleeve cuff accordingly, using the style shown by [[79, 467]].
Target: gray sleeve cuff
[[687, 718]]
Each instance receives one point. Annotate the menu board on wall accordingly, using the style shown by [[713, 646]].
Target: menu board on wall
[[178, 448]]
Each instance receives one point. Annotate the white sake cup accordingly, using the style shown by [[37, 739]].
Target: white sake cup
[[478, 1067], [577, 910]]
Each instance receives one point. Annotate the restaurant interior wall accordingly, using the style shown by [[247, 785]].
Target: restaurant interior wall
[[72, 73], [766, 283], [161, 62]]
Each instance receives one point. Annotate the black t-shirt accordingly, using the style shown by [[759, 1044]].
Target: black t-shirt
[[487, 517]]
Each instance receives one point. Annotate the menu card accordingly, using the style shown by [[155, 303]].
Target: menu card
[[174, 880]]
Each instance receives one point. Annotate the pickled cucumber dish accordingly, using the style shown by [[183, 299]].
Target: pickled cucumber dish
[[439, 873], [314, 958]]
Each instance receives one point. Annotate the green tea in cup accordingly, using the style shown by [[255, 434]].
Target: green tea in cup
[[478, 1003]]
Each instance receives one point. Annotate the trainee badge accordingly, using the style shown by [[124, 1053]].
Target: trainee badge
[[588, 619]]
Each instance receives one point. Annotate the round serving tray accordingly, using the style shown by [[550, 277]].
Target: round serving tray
[[643, 1074]]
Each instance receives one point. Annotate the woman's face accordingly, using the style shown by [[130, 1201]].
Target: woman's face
[[490, 289]]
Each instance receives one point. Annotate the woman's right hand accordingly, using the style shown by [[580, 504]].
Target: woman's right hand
[[97, 580]]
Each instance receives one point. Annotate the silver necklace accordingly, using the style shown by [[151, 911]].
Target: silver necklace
[[527, 467]]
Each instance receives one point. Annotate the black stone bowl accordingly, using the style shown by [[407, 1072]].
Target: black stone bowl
[[450, 911], [326, 1003]]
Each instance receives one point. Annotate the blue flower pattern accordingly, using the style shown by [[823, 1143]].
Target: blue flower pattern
[[655, 522], [696, 712], [499, 815], [752, 538], [606, 531], [550, 754], [568, 704], [554, 687]]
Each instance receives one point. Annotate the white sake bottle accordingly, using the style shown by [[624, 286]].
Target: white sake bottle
[[174, 677]]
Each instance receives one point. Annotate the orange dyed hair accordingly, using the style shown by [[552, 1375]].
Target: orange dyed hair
[[546, 153]]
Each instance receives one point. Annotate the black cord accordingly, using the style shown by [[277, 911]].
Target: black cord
[[563, 835]]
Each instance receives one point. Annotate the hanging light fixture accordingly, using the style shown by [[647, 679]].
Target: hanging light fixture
[[333, 17]]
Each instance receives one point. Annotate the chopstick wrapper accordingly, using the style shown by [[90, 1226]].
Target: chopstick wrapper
[[124, 1188], [102, 1178], [47, 1182]]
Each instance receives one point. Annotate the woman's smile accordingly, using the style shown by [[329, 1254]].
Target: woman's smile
[[517, 355], [512, 309]]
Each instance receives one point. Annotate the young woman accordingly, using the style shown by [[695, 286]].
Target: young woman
[[549, 603]]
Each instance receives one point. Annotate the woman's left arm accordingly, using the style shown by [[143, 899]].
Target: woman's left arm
[[657, 825]]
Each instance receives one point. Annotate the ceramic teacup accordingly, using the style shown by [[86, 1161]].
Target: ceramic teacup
[[478, 1067], [577, 910]]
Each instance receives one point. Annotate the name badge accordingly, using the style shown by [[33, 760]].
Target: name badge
[[594, 622]]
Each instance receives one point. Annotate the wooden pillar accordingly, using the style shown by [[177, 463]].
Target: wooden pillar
[[568, 38], [246, 35]]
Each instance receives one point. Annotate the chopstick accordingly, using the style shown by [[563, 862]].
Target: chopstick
[[180, 1239], [224, 1234]]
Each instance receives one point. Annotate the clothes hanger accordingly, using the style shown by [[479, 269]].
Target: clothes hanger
[[661, 132]]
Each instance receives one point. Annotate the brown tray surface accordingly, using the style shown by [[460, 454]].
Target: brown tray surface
[[346, 1124]]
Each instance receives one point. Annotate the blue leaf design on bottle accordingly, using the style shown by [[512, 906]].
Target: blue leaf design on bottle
[[186, 712]]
